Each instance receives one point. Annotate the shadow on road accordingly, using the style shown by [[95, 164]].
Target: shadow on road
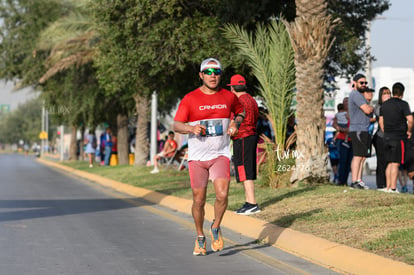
[[13, 210]]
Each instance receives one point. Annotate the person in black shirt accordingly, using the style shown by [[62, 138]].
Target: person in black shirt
[[396, 121]]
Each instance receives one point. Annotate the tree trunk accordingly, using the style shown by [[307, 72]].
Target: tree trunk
[[82, 144], [122, 138], [73, 144], [312, 24], [141, 137]]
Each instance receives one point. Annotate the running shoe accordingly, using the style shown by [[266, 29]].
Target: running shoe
[[404, 189], [356, 185], [200, 246], [217, 242], [248, 209], [363, 184]]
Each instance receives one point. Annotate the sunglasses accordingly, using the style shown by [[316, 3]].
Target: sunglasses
[[386, 93], [210, 71], [363, 83]]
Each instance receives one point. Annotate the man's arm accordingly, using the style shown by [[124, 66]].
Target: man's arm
[[168, 148], [367, 109], [381, 123], [409, 125], [183, 128], [235, 124]]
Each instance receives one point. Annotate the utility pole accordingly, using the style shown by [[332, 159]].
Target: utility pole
[[42, 141], [154, 126], [62, 142], [368, 64]]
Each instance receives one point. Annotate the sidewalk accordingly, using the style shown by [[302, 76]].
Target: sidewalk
[[338, 257]]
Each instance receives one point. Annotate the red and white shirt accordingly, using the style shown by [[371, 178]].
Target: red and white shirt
[[213, 111]]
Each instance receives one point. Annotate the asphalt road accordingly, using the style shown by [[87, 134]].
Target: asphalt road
[[54, 223]]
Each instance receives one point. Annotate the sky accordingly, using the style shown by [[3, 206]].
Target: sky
[[392, 39]]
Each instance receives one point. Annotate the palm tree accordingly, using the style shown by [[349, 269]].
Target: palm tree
[[72, 42], [311, 37], [270, 55], [69, 42]]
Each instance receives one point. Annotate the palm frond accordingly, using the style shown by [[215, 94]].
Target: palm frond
[[271, 57]]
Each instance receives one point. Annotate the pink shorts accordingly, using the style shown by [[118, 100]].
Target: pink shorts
[[202, 171]]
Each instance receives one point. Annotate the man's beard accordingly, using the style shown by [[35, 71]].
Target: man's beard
[[205, 84]]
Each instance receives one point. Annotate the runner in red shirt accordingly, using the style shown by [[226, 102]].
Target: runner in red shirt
[[205, 114]]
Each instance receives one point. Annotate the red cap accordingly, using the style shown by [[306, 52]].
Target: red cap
[[237, 80]]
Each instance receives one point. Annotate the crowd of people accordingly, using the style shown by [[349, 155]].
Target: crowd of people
[[355, 122]]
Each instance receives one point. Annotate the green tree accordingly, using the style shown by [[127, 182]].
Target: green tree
[[22, 124], [72, 41], [22, 22], [149, 46]]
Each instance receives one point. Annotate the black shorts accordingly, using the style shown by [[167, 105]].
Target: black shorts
[[334, 162], [361, 143], [394, 150], [244, 158]]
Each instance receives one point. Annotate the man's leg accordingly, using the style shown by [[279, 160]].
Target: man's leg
[[199, 201], [393, 170], [361, 168], [108, 151], [249, 190], [355, 167], [156, 157], [221, 187]]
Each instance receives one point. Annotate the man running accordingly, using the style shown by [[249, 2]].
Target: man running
[[205, 114]]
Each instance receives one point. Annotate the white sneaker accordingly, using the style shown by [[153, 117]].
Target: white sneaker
[[394, 191], [383, 189], [363, 184], [155, 171]]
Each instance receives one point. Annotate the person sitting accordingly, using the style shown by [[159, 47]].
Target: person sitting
[[168, 151]]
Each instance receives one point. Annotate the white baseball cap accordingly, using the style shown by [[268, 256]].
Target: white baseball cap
[[205, 65]]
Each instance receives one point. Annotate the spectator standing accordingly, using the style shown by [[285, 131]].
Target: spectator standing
[[170, 146], [409, 156], [263, 128], [205, 114], [342, 120], [114, 149], [403, 178], [263, 124], [333, 158], [378, 141], [245, 145], [102, 147], [108, 146], [90, 141], [344, 149], [396, 121], [359, 116]]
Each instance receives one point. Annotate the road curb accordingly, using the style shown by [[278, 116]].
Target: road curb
[[332, 255]]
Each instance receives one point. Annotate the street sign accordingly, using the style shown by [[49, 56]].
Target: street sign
[[43, 135]]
